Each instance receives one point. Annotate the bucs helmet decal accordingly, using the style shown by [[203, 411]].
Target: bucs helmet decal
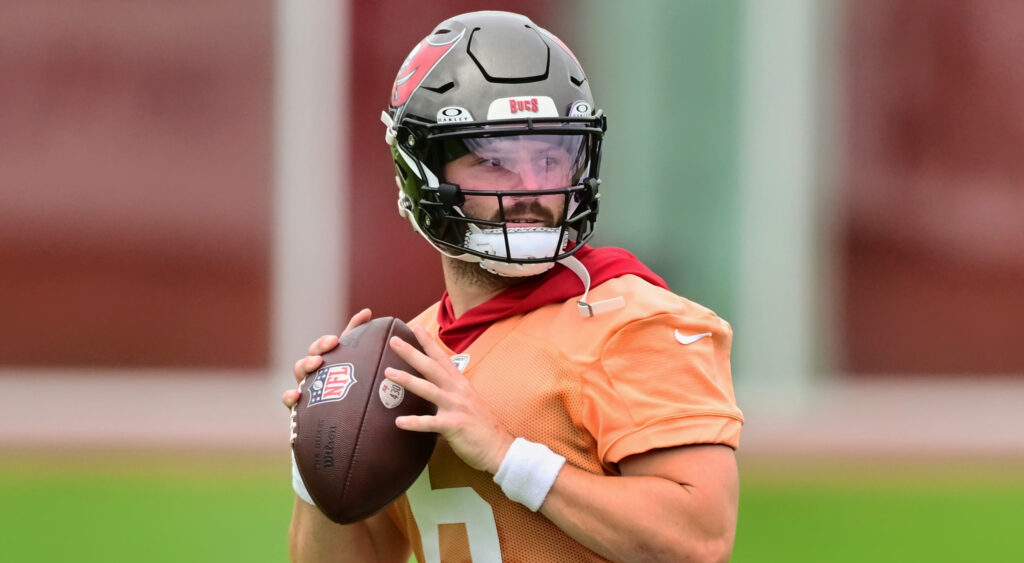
[[423, 58]]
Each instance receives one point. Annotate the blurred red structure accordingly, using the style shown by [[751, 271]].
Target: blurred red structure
[[136, 179], [135, 183], [933, 245]]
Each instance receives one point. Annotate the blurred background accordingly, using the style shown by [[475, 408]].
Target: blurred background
[[191, 192]]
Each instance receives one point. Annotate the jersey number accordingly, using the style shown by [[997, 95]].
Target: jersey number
[[459, 505]]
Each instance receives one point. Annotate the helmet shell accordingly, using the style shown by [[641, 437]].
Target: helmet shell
[[470, 60], [488, 74]]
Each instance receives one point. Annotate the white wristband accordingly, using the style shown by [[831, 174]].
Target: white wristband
[[298, 485], [528, 472]]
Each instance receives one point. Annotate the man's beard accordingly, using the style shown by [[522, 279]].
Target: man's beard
[[472, 274]]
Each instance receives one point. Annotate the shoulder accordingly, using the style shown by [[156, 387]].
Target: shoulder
[[646, 309], [654, 373], [649, 307], [644, 299]]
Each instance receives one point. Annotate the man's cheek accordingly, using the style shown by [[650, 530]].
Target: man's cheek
[[480, 208]]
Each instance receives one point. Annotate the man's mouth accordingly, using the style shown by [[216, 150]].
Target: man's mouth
[[525, 214]]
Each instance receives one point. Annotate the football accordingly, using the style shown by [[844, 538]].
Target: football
[[352, 458]]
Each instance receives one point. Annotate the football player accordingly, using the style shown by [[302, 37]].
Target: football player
[[585, 412]]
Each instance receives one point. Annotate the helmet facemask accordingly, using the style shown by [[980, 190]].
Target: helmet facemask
[[515, 199]]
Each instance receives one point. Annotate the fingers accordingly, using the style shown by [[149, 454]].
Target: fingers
[[306, 366], [420, 363], [423, 389], [313, 361], [290, 398], [322, 345], [433, 365], [418, 423], [415, 385], [357, 319], [430, 346], [329, 342]]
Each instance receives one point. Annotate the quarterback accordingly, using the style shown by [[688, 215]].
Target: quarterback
[[585, 412]]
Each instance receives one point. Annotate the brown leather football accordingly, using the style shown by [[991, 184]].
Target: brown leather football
[[352, 458]]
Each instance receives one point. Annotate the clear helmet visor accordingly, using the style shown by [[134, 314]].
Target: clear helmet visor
[[515, 201], [518, 163]]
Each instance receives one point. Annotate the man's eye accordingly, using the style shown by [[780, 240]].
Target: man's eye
[[489, 163], [553, 162]]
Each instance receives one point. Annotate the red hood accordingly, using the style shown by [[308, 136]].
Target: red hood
[[555, 286]]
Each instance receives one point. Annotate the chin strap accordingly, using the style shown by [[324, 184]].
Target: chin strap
[[590, 309]]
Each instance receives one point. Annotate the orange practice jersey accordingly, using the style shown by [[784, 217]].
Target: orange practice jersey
[[594, 390]]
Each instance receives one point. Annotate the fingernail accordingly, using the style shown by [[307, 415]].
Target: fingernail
[[396, 341]]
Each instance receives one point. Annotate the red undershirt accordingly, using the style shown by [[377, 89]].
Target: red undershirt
[[554, 286]]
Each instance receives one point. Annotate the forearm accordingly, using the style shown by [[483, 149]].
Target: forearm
[[643, 518], [314, 539]]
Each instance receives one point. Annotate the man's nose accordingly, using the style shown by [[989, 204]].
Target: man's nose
[[529, 179]]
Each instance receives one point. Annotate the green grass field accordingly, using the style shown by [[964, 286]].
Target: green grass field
[[177, 508], [881, 511]]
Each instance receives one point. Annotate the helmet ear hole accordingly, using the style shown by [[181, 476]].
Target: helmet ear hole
[[431, 217]]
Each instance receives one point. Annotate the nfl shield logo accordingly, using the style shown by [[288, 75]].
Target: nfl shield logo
[[331, 383]]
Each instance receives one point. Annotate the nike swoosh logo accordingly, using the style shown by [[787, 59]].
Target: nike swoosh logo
[[683, 339]]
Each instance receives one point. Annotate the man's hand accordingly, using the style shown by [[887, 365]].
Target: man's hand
[[312, 362], [312, 537], [462, 418]]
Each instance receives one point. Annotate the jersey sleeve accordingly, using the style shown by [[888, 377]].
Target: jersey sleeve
[[662, 381]]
